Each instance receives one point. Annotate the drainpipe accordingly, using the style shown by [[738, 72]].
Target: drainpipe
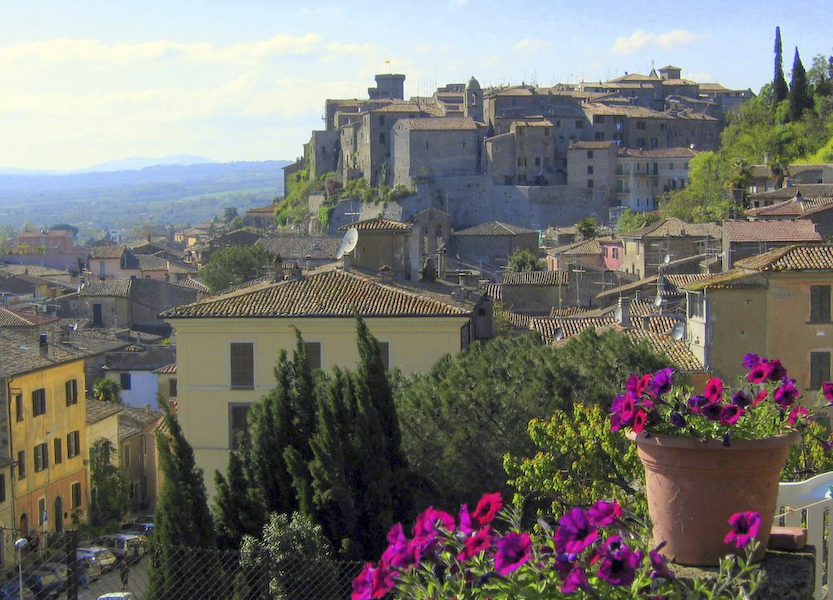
[[7, 391]]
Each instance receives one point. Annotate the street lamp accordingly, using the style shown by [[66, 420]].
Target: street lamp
[[19, 544]]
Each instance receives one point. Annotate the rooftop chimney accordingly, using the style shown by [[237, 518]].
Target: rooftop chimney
[[43, 344], [386, 274], [623, 312]]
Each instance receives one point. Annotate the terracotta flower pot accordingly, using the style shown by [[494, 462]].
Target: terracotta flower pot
[[694, 486]]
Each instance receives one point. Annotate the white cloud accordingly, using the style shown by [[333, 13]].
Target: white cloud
[[529, 45], [641, 39], [699, 76]]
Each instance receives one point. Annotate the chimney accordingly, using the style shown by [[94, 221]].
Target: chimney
[[345, 262], [295, 272], [623, 312], [43, 344], [308, 262], [385, 274], [788, 182]]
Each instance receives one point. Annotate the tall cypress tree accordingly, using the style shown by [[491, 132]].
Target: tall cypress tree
[[800, 98], [779, 83], [236, 509], [182, 521]]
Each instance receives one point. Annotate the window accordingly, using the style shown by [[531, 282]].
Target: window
[[2, 487], [819, 369], [546, 131], [172, 387], [589, 154], [142, 448], [18, 407], [58, 451], [819, 303], [537, 161], [640, 125], [41, 457], [76, 495], [38, 402], [381, 119], [600, 136], [579, 124], [21, 464], [124, 381], [238, 425], [71, 387], [696, 305], [598, 119], [589, 183], [41, 510], [589, 169], [522, 161], [382, 137], [125, 456], [384, 352], [242, 366], [73, 444], [313, 354], [616, 253]]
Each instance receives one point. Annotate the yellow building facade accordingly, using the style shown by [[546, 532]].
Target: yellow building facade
[[228, 345]]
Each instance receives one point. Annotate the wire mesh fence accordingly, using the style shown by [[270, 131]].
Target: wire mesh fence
[[62, 566]]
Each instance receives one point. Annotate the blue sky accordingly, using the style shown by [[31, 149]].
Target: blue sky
[[84, 82]]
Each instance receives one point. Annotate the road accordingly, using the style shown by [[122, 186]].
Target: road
[[111, 582]]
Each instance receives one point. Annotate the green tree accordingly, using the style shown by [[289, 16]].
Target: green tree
[[631, 221], [820, 75], [800, 96], [235, 265], [587, 227], [65, 227], [237, 511], [706, 196], [107, 390], [523, 260], [183, 520], [109, 495], [229, 213], [779, 83]]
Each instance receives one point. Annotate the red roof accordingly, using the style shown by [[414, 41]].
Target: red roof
[[771, 231]]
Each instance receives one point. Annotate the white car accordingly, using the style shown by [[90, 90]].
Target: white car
[[99, 560], [117, 596]]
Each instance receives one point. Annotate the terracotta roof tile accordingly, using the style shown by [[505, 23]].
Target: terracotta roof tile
[[108, 287], [676, 350], [771, 231], [806, 190], [377, 224], [658, 153], [582, 247], [19, 318], [166, 370], [328, 293], [493, 228], [536, 278], [791, 258], [297, 247], [439, 124]]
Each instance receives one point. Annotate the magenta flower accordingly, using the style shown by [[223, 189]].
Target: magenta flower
[[714, 389], [637, 385], [576, 580], [466, 525], [745, 527], [426, 522], [827, 390], [751, 360], [640, 419], [786, 393], [696, 403], [796, 413], [729, 414], [512, 552], [742, 399], [362, 584], [658, 564], [474, 545], [760, 397], [760, 372], [617, 562], [575, 532], [662, 382], [488, 506], [712, 411], [399, 552], [778, 370], [602, 513], [381, 580]]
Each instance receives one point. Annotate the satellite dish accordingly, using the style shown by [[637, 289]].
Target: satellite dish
[[617, 314], [658, 300], [678, 332], [667, 259], [558, 334], [348, 242]]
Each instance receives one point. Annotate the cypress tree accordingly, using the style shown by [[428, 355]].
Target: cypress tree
[[237, 512], [779, 83], [800, 99], [182, 521]]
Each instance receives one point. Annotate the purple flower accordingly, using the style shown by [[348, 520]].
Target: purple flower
[[712, 411], [399, 551], [778, 370], [637, 385], [617, 562], [576, 580], [729, 414], [751, 360], [512, 552], [760, 372], [466, 525], [658, 564], [742, 399], [827, 390], [604, 513], [474, 545], [677, 420], [745, 527], [575, 532], [382, 580], [714, 389], [662, 382], [696, 403], [786, 393], [362, 583]]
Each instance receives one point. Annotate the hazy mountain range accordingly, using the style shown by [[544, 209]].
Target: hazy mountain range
[[134, 163]]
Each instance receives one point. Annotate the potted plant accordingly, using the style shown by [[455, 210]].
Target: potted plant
[[711, 454]]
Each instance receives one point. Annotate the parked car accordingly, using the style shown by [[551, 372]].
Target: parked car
[[143, 529], [48, 580], [117, 596], [99, 560], [10, 590], [125, 546]]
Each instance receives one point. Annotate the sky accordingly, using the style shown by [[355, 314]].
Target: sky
[[84, 82]]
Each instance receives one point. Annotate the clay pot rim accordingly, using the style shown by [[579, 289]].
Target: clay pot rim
[[673, 441]]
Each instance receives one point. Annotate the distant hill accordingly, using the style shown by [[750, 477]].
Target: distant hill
[[140, 162], [122, 199]]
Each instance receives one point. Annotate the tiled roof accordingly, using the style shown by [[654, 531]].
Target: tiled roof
[[568, 311], [674, 227], [736, 278], [771, 231], [591, 145], [676, 350], [19, 318], [791, 258], [554, 329], [35, 270], [193, 283], [493, 290], [582, 247], [21, 353], [166, 370], [674, 283], [536, 278], [493, 228], [806, 190], [98, 411], [377, 224], [658, 153], [269, 209], [108, 287], [101, 252], [150, 262], [297, 247], [326, 293], [133, 420], [636, 112], [440, 124], [134, 358]]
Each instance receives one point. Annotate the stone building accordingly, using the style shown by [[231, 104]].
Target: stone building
[[434, 148]]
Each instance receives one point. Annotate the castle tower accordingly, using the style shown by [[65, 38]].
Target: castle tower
[[473, 105], [391, 86]]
